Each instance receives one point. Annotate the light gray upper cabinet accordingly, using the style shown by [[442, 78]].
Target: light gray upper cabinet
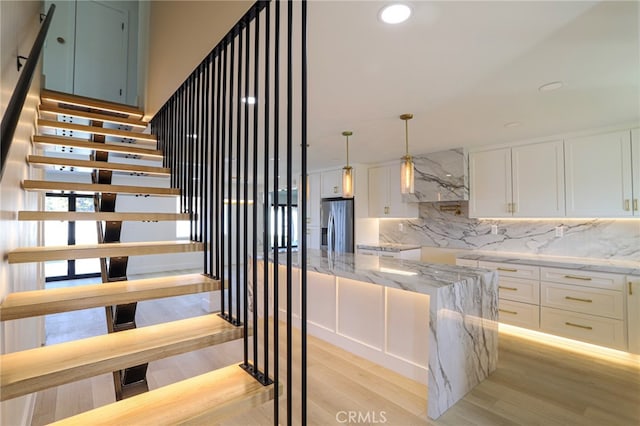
[[440, 176]]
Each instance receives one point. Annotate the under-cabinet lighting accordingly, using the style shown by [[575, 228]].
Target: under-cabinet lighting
[[577, 347], [398, 272]]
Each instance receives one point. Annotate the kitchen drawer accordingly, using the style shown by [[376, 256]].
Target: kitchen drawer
[[593, 301], [519, 314], [588, 328], [467, 262], [583, 278], [519, 290], [511, 270]]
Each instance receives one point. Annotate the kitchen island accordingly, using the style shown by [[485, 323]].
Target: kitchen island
[[434, 323]]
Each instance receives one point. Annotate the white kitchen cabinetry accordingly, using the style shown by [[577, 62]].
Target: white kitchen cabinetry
[[313, 200], [633, 313], [313, 237], [413, 254], [331, 183], [518, 293], [467, 262], [385, 199], [599, 175], [523, 181], [581, 305]]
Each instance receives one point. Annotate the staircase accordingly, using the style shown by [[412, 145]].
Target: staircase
[[105, 132]]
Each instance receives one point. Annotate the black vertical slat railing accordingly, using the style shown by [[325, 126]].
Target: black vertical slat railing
[[229, 133]]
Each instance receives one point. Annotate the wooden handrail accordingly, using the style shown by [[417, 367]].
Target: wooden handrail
[[16, 103]]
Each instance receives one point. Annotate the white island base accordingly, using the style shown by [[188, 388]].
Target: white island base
[[377, 309]]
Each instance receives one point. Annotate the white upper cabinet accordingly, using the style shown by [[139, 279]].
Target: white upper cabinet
[[599, 175], [313, 199], [538, 180], [524, 181], [331, 183], [385, 199], [490, 183], [635, 169]]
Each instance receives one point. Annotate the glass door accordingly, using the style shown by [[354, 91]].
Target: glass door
[[70, 233]]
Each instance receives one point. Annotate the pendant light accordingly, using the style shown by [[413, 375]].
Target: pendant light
[[347, 172], [406, 168]]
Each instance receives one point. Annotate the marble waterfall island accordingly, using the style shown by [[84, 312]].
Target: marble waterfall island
[[434, 323]]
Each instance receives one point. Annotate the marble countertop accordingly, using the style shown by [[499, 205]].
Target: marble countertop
[[584, 264], [388, 247], [409, 275]]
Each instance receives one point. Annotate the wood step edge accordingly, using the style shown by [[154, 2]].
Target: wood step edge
[[205, 399], [93, 251], [94, 116], [44, 367], [42, 160], [83, 101], [102, 216], [96, 130], [45, 185], [26, 304], [94, 146]]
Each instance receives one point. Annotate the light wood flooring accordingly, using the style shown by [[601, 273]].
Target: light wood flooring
[[535, 384]]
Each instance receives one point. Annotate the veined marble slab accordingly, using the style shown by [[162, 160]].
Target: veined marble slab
[[440, 176], [463, 316], [395, 248]]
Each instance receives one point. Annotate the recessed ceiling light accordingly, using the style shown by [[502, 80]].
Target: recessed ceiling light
[[395, 13], [512, 124], [554, 85], [250, 100]]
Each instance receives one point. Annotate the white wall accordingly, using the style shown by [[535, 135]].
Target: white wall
[[19, 24]]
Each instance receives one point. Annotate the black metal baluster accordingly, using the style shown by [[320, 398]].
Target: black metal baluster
[[265, 204], [303, 231], [206, 140], [223, 221], [240, 279], [276, 156], [288, 215], [245, 206], [232, 281]]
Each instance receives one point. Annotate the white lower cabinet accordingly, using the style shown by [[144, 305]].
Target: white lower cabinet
[[519, 314], [588, 328], [633, 313]]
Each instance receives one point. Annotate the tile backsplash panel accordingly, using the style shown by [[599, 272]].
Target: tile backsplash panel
[[591, 238]]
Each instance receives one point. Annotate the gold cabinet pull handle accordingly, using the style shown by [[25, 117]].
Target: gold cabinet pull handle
[[501, 287], [635, 204], [630, 289], [386, 210], [578, 277], [626, 205], [586, 327], [507, 270], [577, 299], [508, 312]]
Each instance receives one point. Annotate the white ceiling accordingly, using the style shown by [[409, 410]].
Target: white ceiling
[[464, 69]]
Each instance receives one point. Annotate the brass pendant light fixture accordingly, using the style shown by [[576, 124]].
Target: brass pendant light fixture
[[406, 168], [347, 172]]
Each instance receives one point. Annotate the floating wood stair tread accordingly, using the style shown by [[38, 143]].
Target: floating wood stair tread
[[96, 130], [44, 185], [40, 160], [129, 149], [205, 399], [27, 304], [91, 251], [81, 101], [103, 216], [40, 368], [76, 113]]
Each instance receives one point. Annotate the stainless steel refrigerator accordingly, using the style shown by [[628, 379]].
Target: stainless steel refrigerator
[[337, 225]]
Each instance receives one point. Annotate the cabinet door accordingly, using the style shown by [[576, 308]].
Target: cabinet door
[[490, 183], [313, 238], [379, 191], [332, 184], [598, 175], [397, 207], [633, 313], [635, 169], [313, 199], [538, 180]]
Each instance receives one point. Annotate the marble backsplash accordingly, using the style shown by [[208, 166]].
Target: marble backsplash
[[613, 239]]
